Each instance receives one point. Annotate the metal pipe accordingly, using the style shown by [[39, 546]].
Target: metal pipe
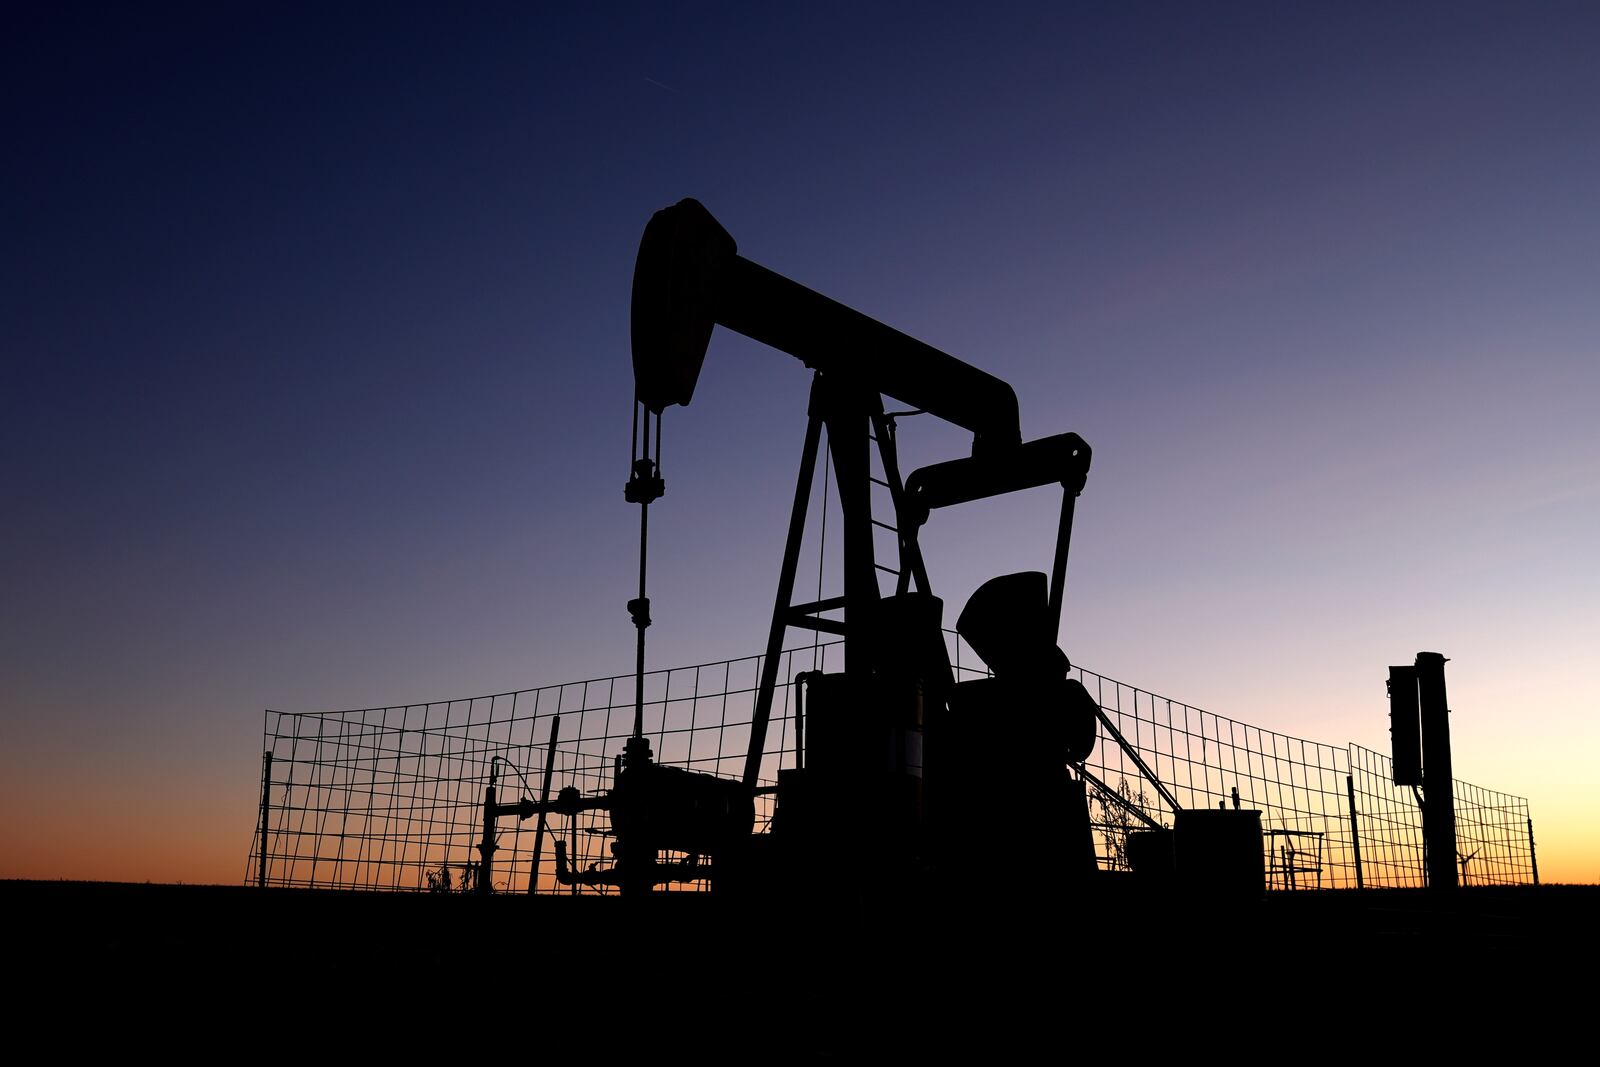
[[544, 800], [486, 845], [1439, 818], [266, 799], [1138, 760], [800, 682]]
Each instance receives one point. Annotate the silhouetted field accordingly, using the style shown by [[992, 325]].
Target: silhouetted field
[[1114, 970]]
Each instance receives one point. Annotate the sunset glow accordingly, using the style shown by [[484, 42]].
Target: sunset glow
[[317, 366]]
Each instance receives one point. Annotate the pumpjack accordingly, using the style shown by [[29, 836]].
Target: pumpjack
[[887, 773]]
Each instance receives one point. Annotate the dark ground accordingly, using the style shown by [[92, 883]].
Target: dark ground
[[1111, 971]]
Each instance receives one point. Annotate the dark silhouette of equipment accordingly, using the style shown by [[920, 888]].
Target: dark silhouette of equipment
[[493, 810], [887, 740], [1048, 723], [1405, 726], [896, 776], [1419, 728], [689, 278]]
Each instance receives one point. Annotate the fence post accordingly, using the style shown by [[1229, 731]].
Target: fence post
[[266, 800], [1355, 835], [1532, 855]]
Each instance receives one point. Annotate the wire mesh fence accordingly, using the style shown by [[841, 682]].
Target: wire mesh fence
[[1203, 760], [393, 797], [1494, 842]]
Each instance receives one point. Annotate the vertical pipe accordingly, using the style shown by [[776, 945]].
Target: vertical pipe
[[1422, 807], [640, 622], [641, 616], [1532, 855], [804, 678], [486, 846], [1439, 817], [1355, 835], [266, 800]]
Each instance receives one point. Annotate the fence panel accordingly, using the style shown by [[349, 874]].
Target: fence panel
[[392, 798]]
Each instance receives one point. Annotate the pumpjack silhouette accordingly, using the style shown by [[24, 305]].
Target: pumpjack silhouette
[[895, 785], [884, 783]]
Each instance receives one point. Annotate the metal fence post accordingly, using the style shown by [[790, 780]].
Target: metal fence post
[[266, 800], [1355, 835], [1532, 855]]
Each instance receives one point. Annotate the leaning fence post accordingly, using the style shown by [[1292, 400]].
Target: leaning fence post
[[266, 799], [1355, 836], [1532, 855]]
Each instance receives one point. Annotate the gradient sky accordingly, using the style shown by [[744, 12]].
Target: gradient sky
[[317, 376]]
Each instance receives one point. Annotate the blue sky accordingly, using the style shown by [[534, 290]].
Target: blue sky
[[315, 333]]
